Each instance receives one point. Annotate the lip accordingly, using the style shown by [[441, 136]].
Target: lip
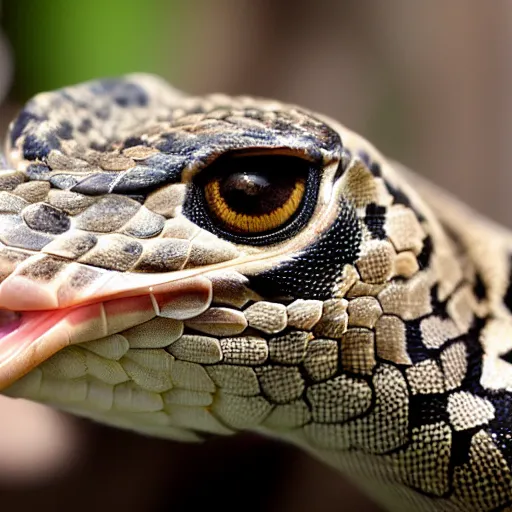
[[29, 337]]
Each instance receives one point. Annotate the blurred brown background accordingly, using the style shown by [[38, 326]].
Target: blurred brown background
[[427, 81]]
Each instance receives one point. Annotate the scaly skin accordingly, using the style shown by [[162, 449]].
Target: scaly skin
[[372, 328]]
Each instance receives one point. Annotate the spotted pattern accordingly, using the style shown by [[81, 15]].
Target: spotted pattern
[[377, 336]]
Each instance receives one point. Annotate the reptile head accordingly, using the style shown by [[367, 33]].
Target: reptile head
[[178, 265]]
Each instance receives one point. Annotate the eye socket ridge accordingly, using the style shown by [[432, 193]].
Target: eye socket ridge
[[254, 199]]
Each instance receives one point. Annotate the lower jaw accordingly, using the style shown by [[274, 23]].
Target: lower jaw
[[139, 386]]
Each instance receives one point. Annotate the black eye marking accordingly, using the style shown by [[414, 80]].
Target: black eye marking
[[314, 272], [254, 199]]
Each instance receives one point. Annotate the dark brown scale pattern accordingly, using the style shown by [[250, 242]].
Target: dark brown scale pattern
[[45, 218]]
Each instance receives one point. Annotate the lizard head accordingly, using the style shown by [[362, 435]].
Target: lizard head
[[178, 265]]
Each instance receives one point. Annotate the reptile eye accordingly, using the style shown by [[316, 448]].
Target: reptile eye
[[255, 199], [250, 201]]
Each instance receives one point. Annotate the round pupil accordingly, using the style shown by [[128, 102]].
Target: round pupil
[[256, 193]]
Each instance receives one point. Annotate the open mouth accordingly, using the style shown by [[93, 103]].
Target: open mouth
[[31, 335]]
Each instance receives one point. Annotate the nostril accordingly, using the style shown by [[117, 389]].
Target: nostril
[[9, 321]]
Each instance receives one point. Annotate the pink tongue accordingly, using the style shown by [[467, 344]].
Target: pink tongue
[[9, 321]]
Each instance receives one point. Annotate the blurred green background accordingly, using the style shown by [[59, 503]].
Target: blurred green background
[[428, 82], [57, 42]]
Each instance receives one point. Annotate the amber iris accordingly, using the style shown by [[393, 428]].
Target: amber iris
[[249, 200]]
